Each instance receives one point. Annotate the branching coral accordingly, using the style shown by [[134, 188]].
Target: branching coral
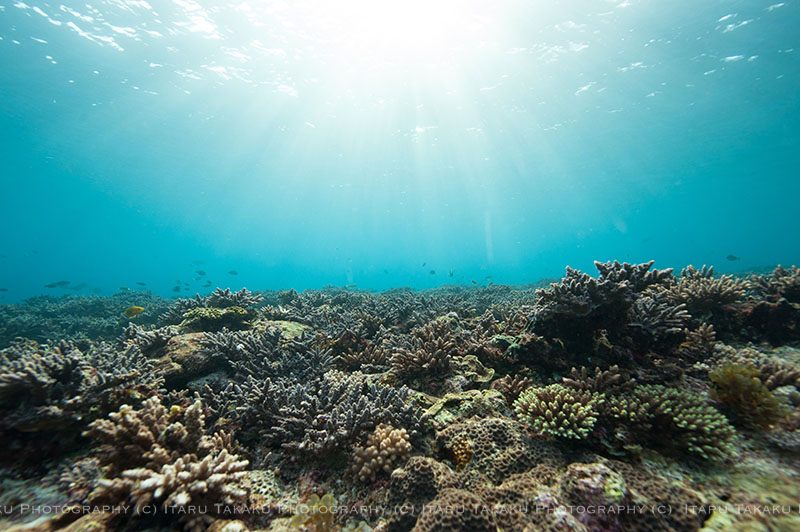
[[430, 351], [602, 381], [559, 411], [739, 388], [149, 341], [653, 316], [57, 386], [323, 414], [780, 283], [385, 447], [638, 276], [702, 293], [700, 342], [164, 457], [511, 386], [672, 418]]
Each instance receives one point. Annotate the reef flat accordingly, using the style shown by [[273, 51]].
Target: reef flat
[[632, 399]]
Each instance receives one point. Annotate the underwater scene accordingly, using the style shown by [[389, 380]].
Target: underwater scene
[[371, 265]]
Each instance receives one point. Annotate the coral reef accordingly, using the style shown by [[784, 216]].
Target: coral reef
[[456, 408]]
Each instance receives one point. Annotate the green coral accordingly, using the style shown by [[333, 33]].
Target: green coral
[[739, 388], [674, 418], [208, 319], [559, 411]]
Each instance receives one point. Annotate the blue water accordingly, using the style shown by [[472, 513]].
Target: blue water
[[373, 143]]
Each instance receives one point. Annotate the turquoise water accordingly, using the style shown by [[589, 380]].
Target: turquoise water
[[381, 144]]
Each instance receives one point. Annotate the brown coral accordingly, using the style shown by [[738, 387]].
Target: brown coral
[[385, 447]]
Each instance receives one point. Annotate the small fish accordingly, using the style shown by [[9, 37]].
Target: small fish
[[352, 285], [200, 272], [141, 283], [57, 284], [177, 281], [185, 283], [432, 272], [124, 288], [35, 251], [233, 272], [3, 289], [96, 290], [176, 288], [386, 272], [451, 273], [133, 311], [475, 282], [197, 262], [197, 278], [207, 284], [423, 264], [733, 257]]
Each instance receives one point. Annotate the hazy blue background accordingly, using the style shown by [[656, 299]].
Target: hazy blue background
[[305, 143]]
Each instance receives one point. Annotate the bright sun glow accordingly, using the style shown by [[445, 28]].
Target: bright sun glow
[[382, 33]]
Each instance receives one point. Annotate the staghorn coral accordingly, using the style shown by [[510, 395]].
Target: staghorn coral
[[654, 317], [702, 293], [511, 386], [156, 456], [602, 381], [638, 276], [430, 350], [739, 388], [580, 295], [323, 414], [371, 357], [558, 411], [700, 342], [49, 319], [781, 283], [56, 387], [385, 447], [149, 341], [604, 318], [775, 373]]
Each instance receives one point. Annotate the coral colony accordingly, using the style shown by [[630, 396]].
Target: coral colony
[[632, 400]]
